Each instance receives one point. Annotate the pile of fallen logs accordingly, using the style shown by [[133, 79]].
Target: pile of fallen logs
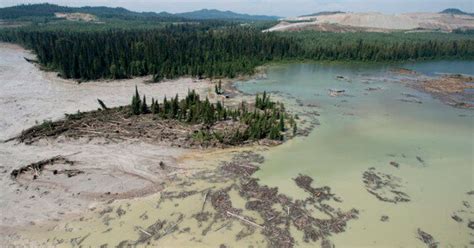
[[242, 165], [320, 194], [277, 213], [119, 124], [38, 167]]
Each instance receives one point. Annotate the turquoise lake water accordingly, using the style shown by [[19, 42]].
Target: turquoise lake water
[[370, 128]]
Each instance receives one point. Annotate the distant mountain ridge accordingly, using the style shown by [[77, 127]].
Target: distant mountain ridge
[[218, 14], [455, 11], [48, 10], [323, 13]]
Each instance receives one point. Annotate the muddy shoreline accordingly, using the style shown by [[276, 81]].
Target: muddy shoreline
[[78, 176], [30, 96]]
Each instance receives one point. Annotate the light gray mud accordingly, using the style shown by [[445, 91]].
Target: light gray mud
[[29, 96]]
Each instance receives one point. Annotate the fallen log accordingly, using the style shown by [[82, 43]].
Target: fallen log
[[145, 232], [244, 220], [205, 199], [31, 60]]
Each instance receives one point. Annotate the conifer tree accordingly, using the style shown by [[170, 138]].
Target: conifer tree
[[175, 106], [102, 104], [257, 101], [274, 133], [157, 77], [281, 124], [165, 111], [136, 102], [144, 107], [155, 109], [218, 88]]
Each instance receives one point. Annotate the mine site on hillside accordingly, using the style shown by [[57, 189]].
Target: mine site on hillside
[[377, 22]]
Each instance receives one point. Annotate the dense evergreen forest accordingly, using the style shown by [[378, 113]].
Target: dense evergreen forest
[[166, 52], [383, 46], [213, 48]]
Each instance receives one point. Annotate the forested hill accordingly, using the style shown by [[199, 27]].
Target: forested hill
[[48, 11]]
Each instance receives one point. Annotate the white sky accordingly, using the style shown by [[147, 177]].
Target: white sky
[[268, 7]]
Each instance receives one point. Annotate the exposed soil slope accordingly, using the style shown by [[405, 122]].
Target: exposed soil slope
[[377, 22], [76, 16]]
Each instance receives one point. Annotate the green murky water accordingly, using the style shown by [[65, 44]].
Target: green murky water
[[370, 128], [376, 121]]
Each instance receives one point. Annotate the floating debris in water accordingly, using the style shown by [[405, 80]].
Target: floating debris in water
[[325, 243], [410, 95], [373, 89], [120, 211], [202, 216], [336, 92], [394, 164], [78, 241], [279, 211], [420, 160], [384, 218], [470, 224], [456, 218], [276, 216], [410, 100], [144, 216], [427, 239], [384, 186], [156, 231]]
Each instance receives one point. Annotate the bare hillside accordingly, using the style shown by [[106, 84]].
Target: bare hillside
[[347, 22], [77, 16]]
